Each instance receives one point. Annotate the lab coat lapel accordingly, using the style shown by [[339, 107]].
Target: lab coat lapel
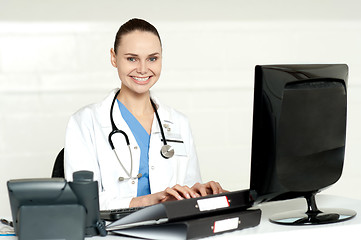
[[164, 115], [156, 138]]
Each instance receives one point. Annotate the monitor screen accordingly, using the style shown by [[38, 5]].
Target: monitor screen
[[299, 130]]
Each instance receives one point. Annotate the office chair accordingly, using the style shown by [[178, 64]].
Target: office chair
[[58, 169]]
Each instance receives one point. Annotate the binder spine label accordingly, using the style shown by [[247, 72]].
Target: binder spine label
[[212, 203], [226, 225]]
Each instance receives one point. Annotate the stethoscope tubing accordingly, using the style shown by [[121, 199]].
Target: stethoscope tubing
[[114, 127], [159, 122], [166, 150]]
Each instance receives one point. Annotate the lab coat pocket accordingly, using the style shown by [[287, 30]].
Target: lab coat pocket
[[178, 146], [180, 158], [181, 172], [170, 172], [175, 140]]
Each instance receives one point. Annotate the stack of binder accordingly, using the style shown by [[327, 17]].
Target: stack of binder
[[191, 218]]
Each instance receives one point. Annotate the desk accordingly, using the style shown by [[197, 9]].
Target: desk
[[267, 230]]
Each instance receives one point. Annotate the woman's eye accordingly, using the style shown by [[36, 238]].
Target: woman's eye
[[153, 59], [131, 59]]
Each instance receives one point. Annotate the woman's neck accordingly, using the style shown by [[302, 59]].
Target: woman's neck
[[138, 104]]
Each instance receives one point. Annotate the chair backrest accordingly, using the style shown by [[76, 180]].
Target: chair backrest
[[58, 169]]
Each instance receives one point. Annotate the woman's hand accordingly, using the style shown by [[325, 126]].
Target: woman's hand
[[147, 200], [205, 189], [178, 192]]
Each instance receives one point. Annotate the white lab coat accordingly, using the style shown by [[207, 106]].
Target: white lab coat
[[87, 148]]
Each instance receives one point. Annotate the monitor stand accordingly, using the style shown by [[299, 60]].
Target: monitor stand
[[313, 215]]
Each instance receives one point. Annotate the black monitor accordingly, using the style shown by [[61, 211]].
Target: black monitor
[[298, 138]]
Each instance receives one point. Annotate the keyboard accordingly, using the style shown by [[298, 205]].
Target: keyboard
[[115, 214]]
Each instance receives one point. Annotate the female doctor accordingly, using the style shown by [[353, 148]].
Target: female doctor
[[141, 151]]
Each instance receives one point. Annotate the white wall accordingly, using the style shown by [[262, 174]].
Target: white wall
[[54, 58]]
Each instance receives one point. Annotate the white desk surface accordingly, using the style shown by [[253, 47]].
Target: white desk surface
[[266, 230]]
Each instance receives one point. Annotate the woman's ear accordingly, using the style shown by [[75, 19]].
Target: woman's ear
[[113, 58]]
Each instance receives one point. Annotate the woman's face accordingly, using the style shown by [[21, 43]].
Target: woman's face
[[138, 60]]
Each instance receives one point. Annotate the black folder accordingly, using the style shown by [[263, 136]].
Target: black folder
[[195, 228], [194, 216]]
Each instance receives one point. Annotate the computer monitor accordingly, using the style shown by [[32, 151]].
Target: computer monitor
[[298, 138]]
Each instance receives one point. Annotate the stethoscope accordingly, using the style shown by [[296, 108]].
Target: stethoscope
[[166, 151]]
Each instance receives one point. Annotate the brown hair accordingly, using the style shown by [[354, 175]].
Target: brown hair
[[133, 25]]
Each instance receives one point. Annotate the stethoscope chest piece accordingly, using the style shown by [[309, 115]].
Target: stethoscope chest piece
[[167, 151]]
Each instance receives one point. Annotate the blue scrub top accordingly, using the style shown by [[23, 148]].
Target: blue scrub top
[[143, 138]]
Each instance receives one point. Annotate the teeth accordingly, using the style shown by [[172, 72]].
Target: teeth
[[141, 79]]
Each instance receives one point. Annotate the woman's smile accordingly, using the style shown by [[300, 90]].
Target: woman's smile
[[141, 80]]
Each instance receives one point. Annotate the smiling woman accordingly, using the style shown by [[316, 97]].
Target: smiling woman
[[92, 143], [138, 61]]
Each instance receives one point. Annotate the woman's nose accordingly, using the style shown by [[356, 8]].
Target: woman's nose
[[142, 67]]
